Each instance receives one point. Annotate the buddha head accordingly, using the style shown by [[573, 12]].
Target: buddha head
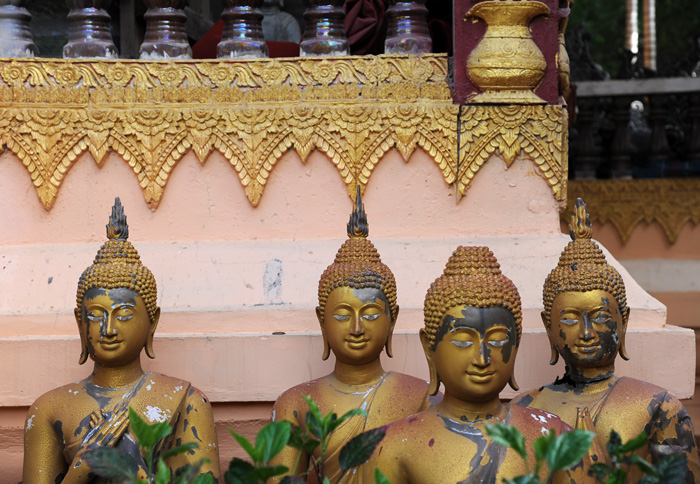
[[473, 323], [116, 307], [357, 306], [585, 305]]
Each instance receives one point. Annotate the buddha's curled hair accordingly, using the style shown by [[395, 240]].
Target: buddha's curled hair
[[357, 264], [472, 277], [582, 266], [118, 265]]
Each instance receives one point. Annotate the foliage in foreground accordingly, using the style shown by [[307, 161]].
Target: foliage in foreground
[[564, 451], [272, 439], [123, 468]]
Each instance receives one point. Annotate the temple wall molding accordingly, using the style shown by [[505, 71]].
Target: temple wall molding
[[353, 109]]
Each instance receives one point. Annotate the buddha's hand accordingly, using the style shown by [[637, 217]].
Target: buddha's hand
[[105, 432]]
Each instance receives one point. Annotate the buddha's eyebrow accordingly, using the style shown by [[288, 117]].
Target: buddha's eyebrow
[[121, 304]]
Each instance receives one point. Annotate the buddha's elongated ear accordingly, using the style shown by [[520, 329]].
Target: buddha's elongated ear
[[149, 339], [82, 330], [326, 346], [434, 384], [513, 384], [389, 351], [554, 357], [623, 334]]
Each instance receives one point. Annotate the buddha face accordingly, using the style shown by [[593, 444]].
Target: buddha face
[[586, 328], [115, 325], [356, 324], [474, 351]]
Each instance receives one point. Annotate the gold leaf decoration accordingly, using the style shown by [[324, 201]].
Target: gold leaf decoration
[[353, 109], [669, 202]]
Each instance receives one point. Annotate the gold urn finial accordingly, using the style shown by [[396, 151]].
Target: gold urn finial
[[507, 65]]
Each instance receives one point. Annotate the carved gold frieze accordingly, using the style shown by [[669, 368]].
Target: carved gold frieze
[[353, 109], [669, 202]]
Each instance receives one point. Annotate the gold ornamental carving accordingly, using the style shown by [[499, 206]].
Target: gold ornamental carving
[[507, 65], [353, 109], [539, 132], [670, 202]]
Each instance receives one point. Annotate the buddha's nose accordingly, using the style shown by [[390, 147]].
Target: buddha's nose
[[109, 328], [586, 330], [357, 327], [484, 356]]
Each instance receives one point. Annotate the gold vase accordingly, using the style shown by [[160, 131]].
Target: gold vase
[[507, 65]]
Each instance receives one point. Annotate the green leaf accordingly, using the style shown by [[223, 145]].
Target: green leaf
[[380, 478], [299, 439], [543, 444], [599, 471], [147, 435], [163, 474], [247, 446], [315, 417], [507, 436], [636, 443], [180, 449], [614, 444], [568, 449], [265, 473], [238, 471], [204, 479], [315, 425], [271, 439], [188, 473], [618, 476], [111, 463], [352, 413], [360, 448], [330, 423], [326, 481], [642, 464], [293, 480], [672, 469]]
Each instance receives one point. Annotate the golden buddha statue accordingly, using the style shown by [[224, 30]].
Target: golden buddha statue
[[473, 323], [586, 314], [357, 312], [117, 316]]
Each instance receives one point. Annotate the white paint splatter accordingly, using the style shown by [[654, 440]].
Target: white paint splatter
[[544, 431], [30, 424], [539, 418], [177, 388], [155, 414], [274, 413]]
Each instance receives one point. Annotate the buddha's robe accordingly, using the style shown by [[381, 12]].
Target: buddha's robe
[[394, 396], [59, 421], [626, 406], [429, 448]]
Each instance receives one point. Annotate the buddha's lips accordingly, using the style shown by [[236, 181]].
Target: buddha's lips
[[114, 342], [589, 348], [357, 342]]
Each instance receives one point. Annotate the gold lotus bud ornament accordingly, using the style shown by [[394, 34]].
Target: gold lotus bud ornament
[[507, 65]]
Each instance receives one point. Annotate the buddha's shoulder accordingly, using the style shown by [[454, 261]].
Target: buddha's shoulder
[[66, 393], [294, 397], [176, 386], [406, 383]]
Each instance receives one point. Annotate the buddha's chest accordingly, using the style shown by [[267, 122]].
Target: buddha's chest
[[442, 459]]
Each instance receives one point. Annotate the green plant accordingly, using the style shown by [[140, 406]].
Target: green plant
[[669, 470], [275, 436], [122, 467], [558, 452]]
